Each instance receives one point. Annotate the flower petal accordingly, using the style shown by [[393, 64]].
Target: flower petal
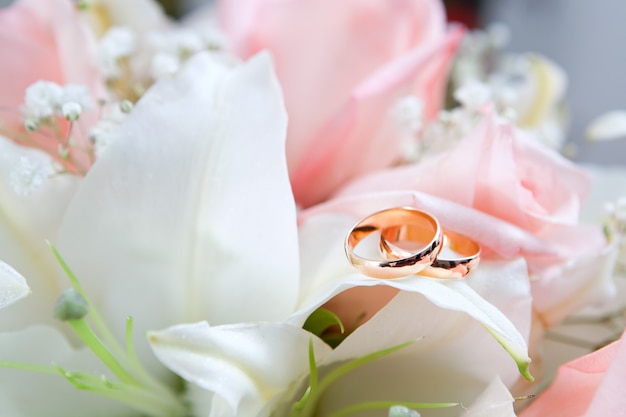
[[13, 286], [458, 296], [609, 126], [504, 284], [495, 401], [25, 223], [453, 359], [343, 65], [364, 124], [189, 207], [589, 386], [247, 365]]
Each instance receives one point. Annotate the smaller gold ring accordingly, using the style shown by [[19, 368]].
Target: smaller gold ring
[[443, 267], [425, 228]]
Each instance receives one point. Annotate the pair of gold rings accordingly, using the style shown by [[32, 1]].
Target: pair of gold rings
[[411, 242]]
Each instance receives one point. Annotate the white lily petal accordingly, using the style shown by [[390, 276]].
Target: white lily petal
[[452, 360], [495, 401], [27, 393], [508, 279], [246, 365], [13, 286], [189, 207], [25, 223], [609, 126], [329, 273]]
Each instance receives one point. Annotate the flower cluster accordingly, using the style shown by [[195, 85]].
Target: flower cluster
[[177, 197]]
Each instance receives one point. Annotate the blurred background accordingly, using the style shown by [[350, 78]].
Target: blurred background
[[584, 38]]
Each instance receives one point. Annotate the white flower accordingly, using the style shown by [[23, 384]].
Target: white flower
[[79, 94], [42, 99], [189, 216], [117, 43], [71, 110], [473, 95], [29, 174]]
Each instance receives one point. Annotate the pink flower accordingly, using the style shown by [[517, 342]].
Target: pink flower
[[515, 198], [43, 40], [590, 386], [342, 66]]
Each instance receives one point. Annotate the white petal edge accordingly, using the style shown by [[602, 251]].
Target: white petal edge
[[13, 286], [329, 275], [191, 204], [495, 401], [609, 126], [246, 365]]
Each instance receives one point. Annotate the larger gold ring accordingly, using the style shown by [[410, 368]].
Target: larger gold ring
[[425, 229], [467, 252]]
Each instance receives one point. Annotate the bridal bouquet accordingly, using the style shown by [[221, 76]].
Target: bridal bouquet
[[292, 208]]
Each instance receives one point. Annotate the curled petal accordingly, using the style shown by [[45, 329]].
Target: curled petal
[[13, 286], [247, 365], [611, 125]]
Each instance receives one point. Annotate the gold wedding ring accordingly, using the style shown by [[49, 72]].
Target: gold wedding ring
[[393, 241], [425, 233]]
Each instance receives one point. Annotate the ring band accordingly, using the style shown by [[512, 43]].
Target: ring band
[[443, 267], [425, 229]]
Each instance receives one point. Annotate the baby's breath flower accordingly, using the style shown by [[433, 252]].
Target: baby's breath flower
[[42, 99], [473, 95], [71, 111], [78, 94], [119, 42], [164, 64], [29, 175]]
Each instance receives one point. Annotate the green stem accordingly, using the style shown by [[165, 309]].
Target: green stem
[[91, 340], [135, 397], [313, 397], [102, 328], [42, 369], [344, 369]]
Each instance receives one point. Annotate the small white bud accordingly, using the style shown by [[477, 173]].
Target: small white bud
[[63, 151], [408, 114], [402, 411], [126, 106], [70, 306], [118, 42], [164, 64], [473, 95], [31, 125], [71, 111]]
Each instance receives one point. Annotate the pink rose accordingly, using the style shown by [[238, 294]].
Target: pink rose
[[590, 386], [512, 196], [342, 66], [43, 40]]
